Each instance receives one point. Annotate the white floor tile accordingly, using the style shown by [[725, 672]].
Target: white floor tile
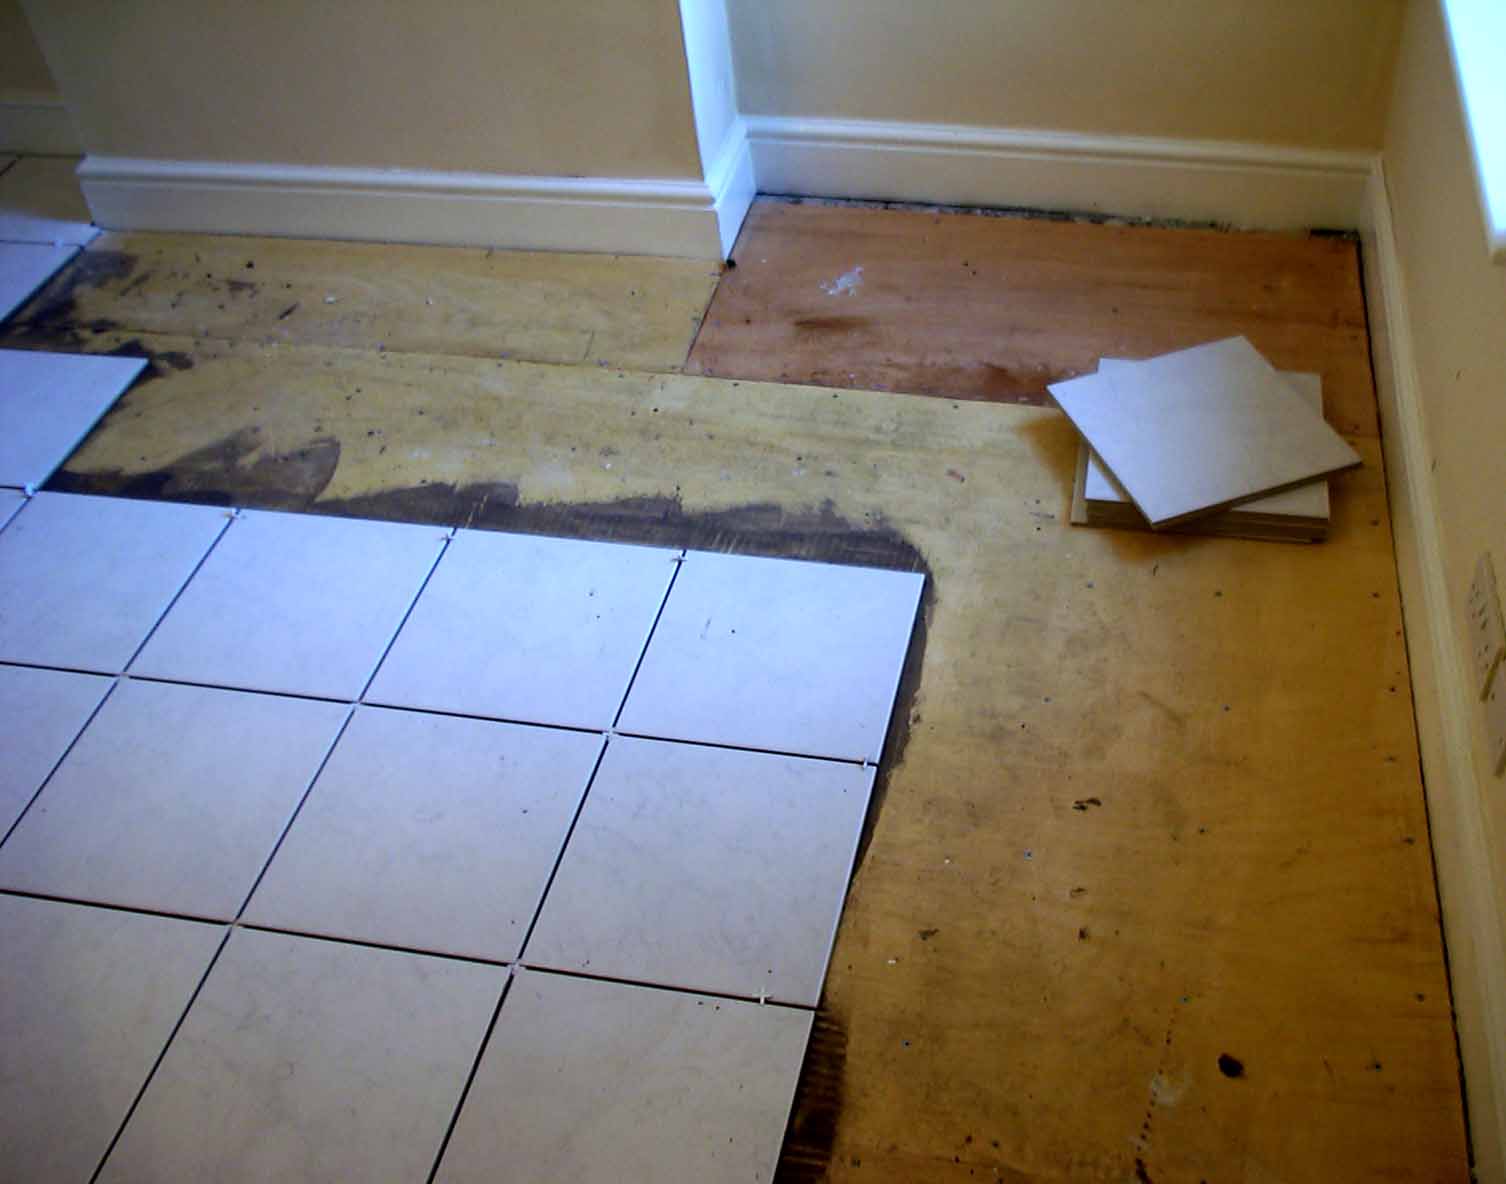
[[48, 403], [589, 1081], [25, 267], [84, 579], [775, 654], [311, 1061], [11, 500], [429, 832], [41, 711], [708, 869], [41, 202], [294, 603], [534, 629], [172, 799], [88, 998]]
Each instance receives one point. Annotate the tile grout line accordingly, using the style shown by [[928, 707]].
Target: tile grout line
[[679, 562], [350, 712], [580, 807], [57, 764], [514, 964], [856, 762], [470, 1079], [139, 910], [601, 755], [444, 547], [329, 752], [230, 928], [559, 860], [639, 984], [230, 518], [161, 1056]]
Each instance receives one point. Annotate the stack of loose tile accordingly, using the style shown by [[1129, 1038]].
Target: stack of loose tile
[[1208, 440]]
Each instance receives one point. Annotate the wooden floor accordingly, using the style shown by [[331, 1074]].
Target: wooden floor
[[975, 307], [1147, 893]]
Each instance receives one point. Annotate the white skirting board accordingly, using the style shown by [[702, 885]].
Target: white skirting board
[[36, 125], [1247, 185], [691, 218], [1467, 868]]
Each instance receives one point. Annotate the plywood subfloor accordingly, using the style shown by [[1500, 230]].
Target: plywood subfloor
[[577, 309], [1146, 891], [978, 307]]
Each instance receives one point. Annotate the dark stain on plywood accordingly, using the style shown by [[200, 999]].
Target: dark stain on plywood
[[235, 470], [812, 1130]]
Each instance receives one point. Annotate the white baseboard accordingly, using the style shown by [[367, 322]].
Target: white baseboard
[[1250, 185], [630, 216], [1467, 868], [36, 125], [732, 183]]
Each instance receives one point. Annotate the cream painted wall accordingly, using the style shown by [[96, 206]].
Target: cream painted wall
[[537, 87], [23, 71], [1301, 72], [1456, 302]]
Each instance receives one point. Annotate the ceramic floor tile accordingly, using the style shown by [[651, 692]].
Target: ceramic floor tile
[[41, 202], [41, 711], [88, 998], [48, 403], [527, 628], [312, 1061], [294, 603], [11, 500], [25, 267], [776, 654], [429, 832], [172, 799], [705, 868], [84, 579], [585, 1081]]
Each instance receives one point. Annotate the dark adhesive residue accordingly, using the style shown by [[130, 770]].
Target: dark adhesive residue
[[812, 1130], [230, 472], [50, 319]]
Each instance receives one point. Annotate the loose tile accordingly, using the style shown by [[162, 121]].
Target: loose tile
[[88, 998], [172, 799], [769, 653], [585, 1081], [25, 267], [11, 500], [48, 403], [41, 202], [41, 711], [84, 579], [528, 628], [294, 603], [1202, 429], [429, 832], [312, 1061], [705, 868]]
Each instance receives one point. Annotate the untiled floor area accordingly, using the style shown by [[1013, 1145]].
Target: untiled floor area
[[1144, 891]]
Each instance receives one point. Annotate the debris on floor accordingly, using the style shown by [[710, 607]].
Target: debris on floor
[[1207, 440]]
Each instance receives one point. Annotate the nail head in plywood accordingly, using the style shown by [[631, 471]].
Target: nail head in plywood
[[1487, 634], [1202, 429]]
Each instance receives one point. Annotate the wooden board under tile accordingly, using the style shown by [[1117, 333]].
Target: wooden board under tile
[[1141, 891], [610, 310], [983, 307]]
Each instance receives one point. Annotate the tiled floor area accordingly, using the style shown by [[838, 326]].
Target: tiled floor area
[[551, 858]]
